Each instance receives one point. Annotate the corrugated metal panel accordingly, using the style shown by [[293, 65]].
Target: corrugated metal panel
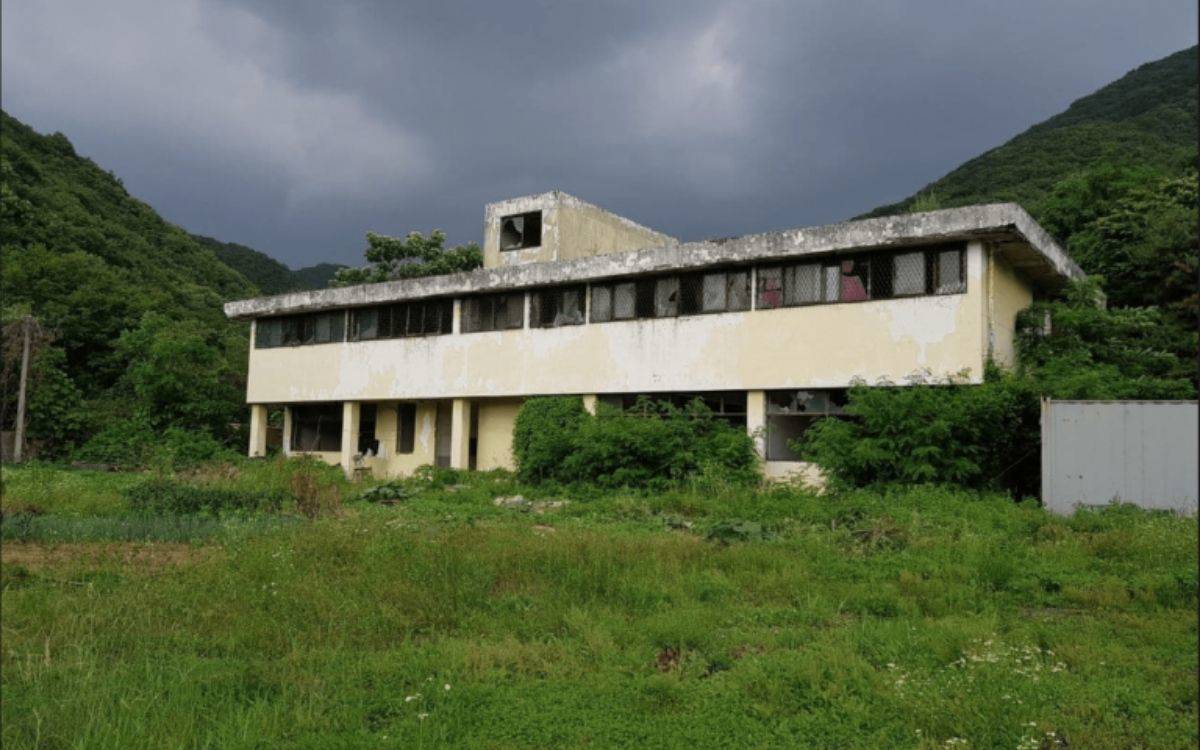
[[1141, 452]]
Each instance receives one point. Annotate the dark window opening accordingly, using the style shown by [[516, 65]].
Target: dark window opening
[[406, 428], [367, 444], [791, 413], [317, 428], [671, 296], [493, 312], [881, 275], [562, 306], [300, 330], [521, 231], [432, 317], [728, 406]]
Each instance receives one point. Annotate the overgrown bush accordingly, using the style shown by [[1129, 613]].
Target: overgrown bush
[[654, 446], [316, 492], [133, 444], [981, 436], [166, 496]]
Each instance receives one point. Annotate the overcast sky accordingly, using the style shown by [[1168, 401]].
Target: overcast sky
[[297, 127]]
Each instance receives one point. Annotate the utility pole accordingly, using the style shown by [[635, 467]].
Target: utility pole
[[19, 441]]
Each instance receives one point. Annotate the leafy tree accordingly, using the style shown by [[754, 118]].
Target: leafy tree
[[415, 255]]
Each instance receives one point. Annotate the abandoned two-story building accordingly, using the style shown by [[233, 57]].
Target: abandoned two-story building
[[768, 329]]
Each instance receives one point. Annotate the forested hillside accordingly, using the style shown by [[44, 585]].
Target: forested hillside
[[266, 273], [133, 302], [1146, 120]]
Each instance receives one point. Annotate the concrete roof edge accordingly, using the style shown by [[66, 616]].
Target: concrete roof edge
[[941, 225]]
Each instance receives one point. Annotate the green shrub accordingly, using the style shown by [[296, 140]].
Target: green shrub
[[133, 443], [544, 435], [163, 496], [979, 436], [655, 445]]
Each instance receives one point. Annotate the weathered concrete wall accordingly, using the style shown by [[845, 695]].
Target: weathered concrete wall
[[494, 436], [1021, 241], [1140, 452], [571, 228], [822, 346], [1007, 295], [389, 462]]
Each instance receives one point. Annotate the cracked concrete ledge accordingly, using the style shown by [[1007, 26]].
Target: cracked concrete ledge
[[1002, 222]]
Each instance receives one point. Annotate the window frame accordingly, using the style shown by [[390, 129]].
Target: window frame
[[406, 428], [491, 299]]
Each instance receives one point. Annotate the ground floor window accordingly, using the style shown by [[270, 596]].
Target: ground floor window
[[317, 428], [790, 413], [728, 406], [406, 428]]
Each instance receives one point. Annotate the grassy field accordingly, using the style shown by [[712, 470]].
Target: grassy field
[[706, 617]]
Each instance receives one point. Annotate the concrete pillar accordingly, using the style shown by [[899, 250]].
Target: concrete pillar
[[350, 414], [589, 403], [460, 433], [756, 420], [258, 430], [287, 431]]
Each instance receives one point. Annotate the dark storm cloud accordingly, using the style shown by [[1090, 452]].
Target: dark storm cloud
[[295, 128]]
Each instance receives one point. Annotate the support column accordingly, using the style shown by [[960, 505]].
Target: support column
[[460, 433], [350, 413], [286, 442], [756, 420], [258, 430], [589, 403]]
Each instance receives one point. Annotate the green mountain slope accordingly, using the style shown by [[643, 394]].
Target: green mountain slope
[[319, 275], [268, 274], [1145, 120]]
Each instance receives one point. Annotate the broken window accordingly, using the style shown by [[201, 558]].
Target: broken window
[[855, 282], [727, 406], [299, 330], [791, 413], [551, 308], [493, 312], [770, 287], [317, 427], [666, 297], [402, 319], [521, 231], [406, 428]]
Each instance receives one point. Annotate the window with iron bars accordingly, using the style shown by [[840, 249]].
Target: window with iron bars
[[300, 330], [672, 295], [493, 312], [856, 278], [433, 317], [557, 306]]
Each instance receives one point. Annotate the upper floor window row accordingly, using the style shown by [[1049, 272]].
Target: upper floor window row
[[493, 312], [857, 278], [299, 330], [431, 317], [671, 295], [851, 278]]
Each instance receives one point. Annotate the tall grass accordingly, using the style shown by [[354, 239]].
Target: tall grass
[[906, 618]]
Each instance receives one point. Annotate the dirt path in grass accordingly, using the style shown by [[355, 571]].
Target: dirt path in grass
[[138, 555]]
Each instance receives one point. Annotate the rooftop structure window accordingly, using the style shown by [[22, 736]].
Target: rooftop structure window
[[403, 319], [317, 427], [300, 330], [520, 231], [557, 306], [493, 312]]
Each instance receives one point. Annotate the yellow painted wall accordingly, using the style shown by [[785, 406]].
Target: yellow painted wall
[[570, 229], [822, 346], [389, 462], [1008, 295], [494, 439]]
